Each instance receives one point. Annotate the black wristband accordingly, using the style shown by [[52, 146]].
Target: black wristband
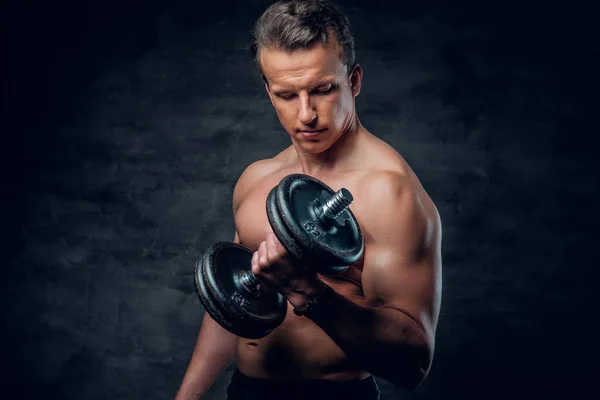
[[319, 307]]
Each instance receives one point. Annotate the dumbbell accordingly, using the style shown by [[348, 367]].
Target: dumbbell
[[314, 225]]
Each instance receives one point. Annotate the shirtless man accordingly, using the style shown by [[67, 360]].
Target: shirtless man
[[380, 319]]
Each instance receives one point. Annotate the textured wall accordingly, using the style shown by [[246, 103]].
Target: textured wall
[[130, 123]]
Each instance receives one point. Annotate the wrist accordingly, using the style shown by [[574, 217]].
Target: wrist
[[317, 304]]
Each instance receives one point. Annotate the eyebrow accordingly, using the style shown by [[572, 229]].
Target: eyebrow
[[286, 90]]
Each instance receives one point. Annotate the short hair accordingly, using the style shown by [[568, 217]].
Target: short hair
[[291, 25]]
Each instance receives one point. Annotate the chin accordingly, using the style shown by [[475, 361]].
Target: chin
[[314, 148]]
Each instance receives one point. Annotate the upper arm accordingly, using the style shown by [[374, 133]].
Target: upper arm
[[402, 265]]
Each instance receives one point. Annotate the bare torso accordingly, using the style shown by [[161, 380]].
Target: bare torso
[[298, 348]]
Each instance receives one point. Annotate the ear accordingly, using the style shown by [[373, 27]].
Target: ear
[[356, 80]]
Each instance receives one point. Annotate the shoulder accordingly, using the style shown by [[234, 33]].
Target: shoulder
[[252, 175], [395, 202], [387, 191], [386, 183], [390, 183]]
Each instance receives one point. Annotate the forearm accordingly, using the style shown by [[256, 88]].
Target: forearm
[[215, 349], [384, 341]]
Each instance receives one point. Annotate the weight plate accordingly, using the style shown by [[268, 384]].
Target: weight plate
[[280, 229], [329, 249], [245, 314]]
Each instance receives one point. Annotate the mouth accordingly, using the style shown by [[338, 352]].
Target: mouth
[[312, 133]]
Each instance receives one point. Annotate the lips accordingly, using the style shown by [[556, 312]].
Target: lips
[[312, 132]]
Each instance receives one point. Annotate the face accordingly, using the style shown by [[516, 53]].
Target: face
[[313, 94]]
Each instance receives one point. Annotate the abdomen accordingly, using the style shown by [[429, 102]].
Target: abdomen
[[297, 349]]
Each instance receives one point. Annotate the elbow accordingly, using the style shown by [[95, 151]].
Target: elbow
[[416, 367], [413, 376], [406, 358], [416, 378]]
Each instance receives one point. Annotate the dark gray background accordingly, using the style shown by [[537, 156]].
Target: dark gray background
[[127, 123]]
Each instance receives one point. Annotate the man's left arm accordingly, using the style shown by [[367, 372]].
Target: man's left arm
[[393, 337]]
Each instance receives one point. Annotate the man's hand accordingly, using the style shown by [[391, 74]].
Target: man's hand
[[275, 268]]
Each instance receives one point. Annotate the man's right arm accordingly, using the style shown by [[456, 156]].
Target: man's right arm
[[215, 347], [215, 350]]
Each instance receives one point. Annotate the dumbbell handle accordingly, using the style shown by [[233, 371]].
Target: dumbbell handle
[[333, 207], [336, 204], [248, 281]]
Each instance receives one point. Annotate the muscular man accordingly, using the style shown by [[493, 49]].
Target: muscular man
[[380, 318]]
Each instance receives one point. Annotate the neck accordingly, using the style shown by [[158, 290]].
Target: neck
[[340, 156]]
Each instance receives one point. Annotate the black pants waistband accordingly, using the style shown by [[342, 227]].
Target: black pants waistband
[[243, 387]]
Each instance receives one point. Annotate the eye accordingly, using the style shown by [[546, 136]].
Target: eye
[[286, 96], [324, 89]]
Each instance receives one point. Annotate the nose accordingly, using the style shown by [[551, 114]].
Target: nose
[[307, 113]]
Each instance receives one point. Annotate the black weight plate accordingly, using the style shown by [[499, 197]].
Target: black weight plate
[[332, 249], [242, 313], [229, 304], [280, 229]]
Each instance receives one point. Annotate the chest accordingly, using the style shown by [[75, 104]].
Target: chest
[[251, 220]]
